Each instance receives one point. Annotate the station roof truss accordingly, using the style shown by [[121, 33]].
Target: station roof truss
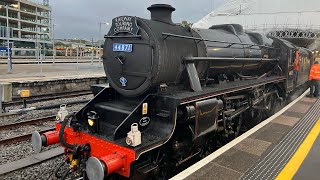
[[288, 19]]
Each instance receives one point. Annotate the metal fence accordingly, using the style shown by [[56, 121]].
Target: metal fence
[[315, 28]]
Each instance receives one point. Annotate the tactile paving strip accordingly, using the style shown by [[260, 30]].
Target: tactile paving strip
[[270, 165]]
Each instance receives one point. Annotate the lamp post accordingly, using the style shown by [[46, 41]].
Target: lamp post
[[53, 48], [40, 50], [92, 51], [36, 48], [8, 34], [77, 57], [46, 35], [8, 41], [100, 23]]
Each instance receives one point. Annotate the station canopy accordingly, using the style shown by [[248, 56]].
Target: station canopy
[[263, 15]]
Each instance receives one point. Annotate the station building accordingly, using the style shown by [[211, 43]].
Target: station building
[[84, 48], [29, 25]]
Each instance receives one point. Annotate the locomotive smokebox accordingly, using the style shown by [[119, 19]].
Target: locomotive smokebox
[[161, 12]]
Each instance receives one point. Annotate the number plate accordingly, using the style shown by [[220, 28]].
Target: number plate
[[122, 47]]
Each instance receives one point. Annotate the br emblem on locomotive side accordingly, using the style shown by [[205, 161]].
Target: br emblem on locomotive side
[[123, 81]]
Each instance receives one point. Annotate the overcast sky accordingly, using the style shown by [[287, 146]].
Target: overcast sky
[[80, 18]]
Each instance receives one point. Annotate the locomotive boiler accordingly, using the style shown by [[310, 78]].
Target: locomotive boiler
[[162, 49], [175, 92]]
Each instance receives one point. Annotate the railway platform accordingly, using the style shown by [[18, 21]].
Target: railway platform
[[285, 146], [52, 78], [3, 61]]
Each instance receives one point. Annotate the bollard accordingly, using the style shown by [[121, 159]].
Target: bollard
[[5, 94]]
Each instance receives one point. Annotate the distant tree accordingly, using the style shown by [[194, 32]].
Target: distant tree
[[185, 23]]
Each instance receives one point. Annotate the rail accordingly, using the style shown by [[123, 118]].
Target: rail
[[46, 97], [29, 122], [30, 161], [22, 137]]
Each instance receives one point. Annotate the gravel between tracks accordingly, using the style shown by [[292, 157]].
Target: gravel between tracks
[[43, 171], [22, 130], [19, 150], [40, 113]]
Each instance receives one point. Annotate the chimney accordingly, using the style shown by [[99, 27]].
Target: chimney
[[161, 12]]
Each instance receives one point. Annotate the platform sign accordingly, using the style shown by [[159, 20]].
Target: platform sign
[[126, 24], [5, 49], [25, 93]]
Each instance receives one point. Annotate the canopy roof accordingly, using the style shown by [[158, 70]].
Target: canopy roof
[[265, 14]]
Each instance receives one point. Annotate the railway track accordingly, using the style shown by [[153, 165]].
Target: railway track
[[28, 122], [22, 137], [17, 153], [34, 159], [46, 97], [30, 161], [24, 123]]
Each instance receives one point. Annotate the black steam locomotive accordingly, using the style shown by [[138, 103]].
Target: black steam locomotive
[[173, 90]]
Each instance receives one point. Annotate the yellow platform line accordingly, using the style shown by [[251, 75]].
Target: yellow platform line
[[295, 162]]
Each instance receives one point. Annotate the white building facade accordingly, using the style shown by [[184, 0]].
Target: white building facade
[[29, 25]]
